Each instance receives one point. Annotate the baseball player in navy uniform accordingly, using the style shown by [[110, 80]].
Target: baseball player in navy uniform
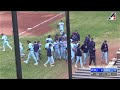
[[79, 56], [49, 55], [92, 51], [75, 38], [87, 39], [36, 50], [104, 49], [56, 37], [38, 42], [78, 35], [31, 53], [84, 48], [52, 50], [60, 38], [5, 42], [90, 45], [75, 47], [64, 35]]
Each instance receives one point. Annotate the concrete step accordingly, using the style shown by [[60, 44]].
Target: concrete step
[[83, 69], [118, 61], [81, 74]]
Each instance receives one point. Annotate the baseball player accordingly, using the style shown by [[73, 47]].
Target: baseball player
[[56, 47], [92, 51], [87, 39], [78, 35], [5, 42], [60, 38], [64, 35], [21, 50], [65, 48], [52, 50], [104, 49], [72, 51], [49, 39], [31, 53], [61, 27], [79, 56], [36, 50], [62, 49], [90, 45], [49, 54], [38, 42], [75, 38], [75, 47], [56, 37], [84, 48]]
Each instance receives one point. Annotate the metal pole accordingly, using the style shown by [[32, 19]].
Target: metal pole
[[16, 45], [68, 44]]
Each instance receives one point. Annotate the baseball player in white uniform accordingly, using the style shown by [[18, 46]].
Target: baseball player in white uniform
[[21, 49], [72, 51], [5, 42], [31, 53], [49, 39], [61, 27]]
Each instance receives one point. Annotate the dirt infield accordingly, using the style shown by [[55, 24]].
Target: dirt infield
[[28, 20]]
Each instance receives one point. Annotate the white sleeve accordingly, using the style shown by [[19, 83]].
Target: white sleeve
[[59, 24], [2, 37], [52, 48], [45, 45]]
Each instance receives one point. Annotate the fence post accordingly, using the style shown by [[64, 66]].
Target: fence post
[[68, 44], [16, 45]]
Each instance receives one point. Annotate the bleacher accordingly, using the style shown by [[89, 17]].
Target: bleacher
[[84, 73]]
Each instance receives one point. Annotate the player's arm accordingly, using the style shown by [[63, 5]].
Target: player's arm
[[2, 38]]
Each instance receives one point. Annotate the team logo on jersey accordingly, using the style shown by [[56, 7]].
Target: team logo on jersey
[[112, 16]]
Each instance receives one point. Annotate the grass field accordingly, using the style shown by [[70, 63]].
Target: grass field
[[86, 22]]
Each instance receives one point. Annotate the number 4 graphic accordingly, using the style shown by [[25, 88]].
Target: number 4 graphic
[[112, 16]]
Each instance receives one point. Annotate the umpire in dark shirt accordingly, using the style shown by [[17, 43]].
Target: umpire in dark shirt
[[104, 49]]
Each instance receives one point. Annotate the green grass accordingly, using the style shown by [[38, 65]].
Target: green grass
[[86, 22]]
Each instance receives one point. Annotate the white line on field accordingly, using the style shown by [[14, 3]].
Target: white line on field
[[28, 29]]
